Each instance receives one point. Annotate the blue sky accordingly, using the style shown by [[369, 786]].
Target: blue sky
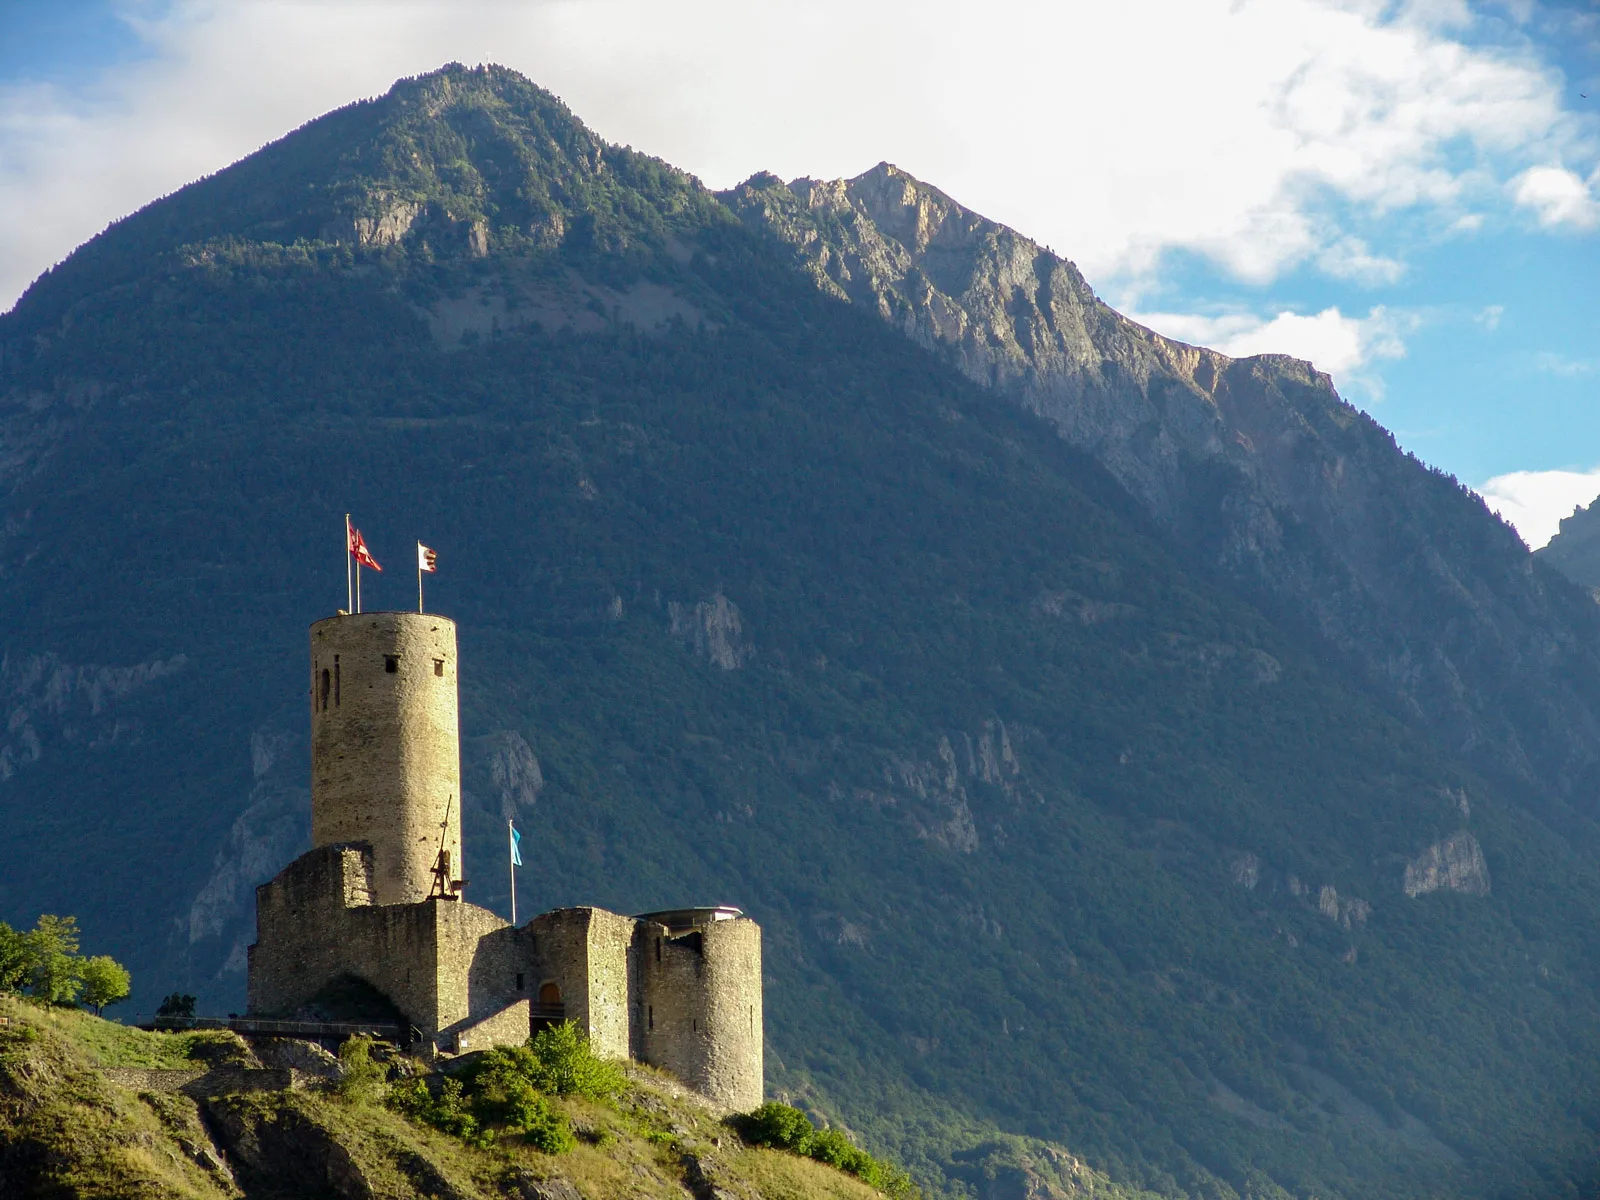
[[1407, 193]]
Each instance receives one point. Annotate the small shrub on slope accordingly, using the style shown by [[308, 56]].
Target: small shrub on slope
[[783, 1127], [560, 1061], [509, 1088]]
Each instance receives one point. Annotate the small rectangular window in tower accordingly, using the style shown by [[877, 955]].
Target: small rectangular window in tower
[[391, 663], [438, 667], [652, 1011], [324, 696], [696, 1024], [658, 949], [519, 981]]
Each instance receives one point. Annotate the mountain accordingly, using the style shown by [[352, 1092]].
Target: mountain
[[1575, 549], [1255, 465], [1070, 844]]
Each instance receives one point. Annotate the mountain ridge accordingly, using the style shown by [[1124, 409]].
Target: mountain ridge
[[1255, 465]]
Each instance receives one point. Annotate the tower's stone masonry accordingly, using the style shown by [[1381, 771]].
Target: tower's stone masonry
[[679, 990], [386, 746]]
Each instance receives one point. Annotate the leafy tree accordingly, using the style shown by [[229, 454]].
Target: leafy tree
[[55, 972], [177, 1004], [13, 959], [105, 981]]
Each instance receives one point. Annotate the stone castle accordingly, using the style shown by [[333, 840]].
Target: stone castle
[[376, 907]]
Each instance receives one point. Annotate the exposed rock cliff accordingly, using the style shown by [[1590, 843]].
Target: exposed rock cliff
[[1256, 464], [1575, 549], [1453, 865]]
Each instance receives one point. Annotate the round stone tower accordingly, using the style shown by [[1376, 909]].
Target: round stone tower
[[700, 994], [386, 745]]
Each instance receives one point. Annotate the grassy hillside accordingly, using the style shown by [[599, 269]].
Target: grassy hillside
[[68, 1128], [1053, 842]]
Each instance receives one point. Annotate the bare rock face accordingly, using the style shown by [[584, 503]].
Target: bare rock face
[[1254, 464], [514, 769], [1453, 865], [713, 629]]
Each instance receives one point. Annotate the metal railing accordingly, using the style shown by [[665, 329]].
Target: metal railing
[[268, 1026]]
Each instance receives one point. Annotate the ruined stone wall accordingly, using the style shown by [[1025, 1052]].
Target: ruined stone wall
[[478, 961], [559, 954], [441, 962], [385, 745], [613, 989], [690, 1004], [702, 998]]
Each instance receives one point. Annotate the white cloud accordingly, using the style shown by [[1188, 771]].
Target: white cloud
[[1489, 316], [1557, 196], [1535, 501], [1257, 133], [1343, 346]]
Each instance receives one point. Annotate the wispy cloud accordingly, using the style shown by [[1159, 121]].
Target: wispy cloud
[[1271, 134], [1560, 365]]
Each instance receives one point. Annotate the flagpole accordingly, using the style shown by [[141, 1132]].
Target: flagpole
[[358, 585], [349, 593], [511, 867]]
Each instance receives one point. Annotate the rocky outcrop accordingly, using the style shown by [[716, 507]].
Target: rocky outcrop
[[1255, 464], [713, 629], [1453, 865], [1575, 549]]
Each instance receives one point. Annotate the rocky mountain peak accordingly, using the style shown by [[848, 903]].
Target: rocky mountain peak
[[1256, 465]]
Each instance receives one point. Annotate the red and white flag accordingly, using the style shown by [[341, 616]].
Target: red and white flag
[[358, 547], [427, 559]]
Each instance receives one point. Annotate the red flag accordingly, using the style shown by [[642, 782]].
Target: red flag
[[358, 547]]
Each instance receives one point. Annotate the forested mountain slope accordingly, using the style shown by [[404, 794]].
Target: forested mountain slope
[[1055, 841], [1256, 465]]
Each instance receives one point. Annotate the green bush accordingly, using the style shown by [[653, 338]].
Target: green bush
[[506, 1091], [364, 1080], [447, 1111], [509, 1089], [784, 1127], [780, 1126], [561, 1062]]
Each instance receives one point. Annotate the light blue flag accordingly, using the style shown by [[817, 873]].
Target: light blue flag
[[516, 847]]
